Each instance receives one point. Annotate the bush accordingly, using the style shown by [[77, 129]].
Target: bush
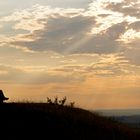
[[60, 102]]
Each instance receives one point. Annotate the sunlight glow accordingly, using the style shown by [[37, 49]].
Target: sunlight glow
[[89, 53]]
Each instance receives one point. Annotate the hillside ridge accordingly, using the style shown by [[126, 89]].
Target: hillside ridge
[[51, 121]]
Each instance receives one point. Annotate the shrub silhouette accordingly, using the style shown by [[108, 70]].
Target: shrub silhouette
[[49, 101], [61, 102], [72, 104], [56, 101]]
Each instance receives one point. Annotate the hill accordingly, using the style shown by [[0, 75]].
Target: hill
[[50, 121]]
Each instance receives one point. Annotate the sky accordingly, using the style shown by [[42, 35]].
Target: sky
[[87, 50]]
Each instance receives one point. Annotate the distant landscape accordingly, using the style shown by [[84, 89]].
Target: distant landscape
[[131, 117], [118, 112]]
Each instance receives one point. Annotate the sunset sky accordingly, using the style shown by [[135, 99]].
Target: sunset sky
[[87, 50]]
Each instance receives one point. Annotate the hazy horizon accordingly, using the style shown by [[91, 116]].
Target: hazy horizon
[[118, 112], [87, 50]]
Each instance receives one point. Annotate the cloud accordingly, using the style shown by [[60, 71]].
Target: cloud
[[133, 55], [127, 7], [107, 65], [67, 72], [135, 26], [34, 75], [87, 50], [34, 18], [110, 13], [99, 29], [60, 34], [130, 36], [94, 30], [38, 19], [71, 35]]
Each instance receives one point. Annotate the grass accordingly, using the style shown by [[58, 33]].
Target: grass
[[54, 121]]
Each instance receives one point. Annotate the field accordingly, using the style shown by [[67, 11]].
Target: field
[[54, 121]]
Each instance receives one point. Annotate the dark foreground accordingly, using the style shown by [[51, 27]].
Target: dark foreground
[[48, 121]]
